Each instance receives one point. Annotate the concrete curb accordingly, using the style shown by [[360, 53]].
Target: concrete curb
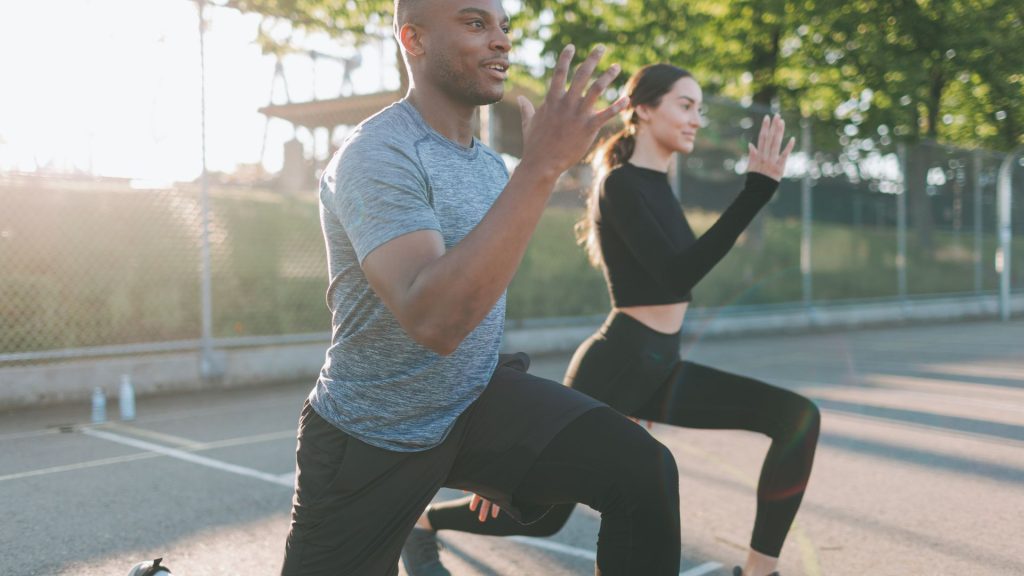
[[752, 321], [248, 364]]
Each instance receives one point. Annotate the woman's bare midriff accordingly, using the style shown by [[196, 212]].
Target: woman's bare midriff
[[664, 318]]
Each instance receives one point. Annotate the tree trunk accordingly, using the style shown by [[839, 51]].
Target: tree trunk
[[920, 204], [935, 89], [763, 63], [917, 166]]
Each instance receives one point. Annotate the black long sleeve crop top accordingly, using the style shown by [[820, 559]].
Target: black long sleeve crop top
[[651, 255]]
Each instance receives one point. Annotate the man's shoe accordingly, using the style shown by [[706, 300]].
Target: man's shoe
[[737, 571], [149, 569], [419, 555]]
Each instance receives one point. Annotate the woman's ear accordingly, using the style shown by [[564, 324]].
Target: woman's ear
[[642, 113]]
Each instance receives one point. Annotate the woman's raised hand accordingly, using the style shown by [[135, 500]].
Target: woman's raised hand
[[768, 157]]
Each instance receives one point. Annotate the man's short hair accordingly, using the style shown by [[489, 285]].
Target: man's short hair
[[405, 10]]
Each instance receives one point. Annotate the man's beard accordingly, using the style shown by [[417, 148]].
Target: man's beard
[[462, 88]]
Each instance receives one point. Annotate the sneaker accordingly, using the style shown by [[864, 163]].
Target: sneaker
[[419, 555], [149, 569], [737, 571]]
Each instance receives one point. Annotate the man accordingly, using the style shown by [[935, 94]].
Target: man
[[424, 231]]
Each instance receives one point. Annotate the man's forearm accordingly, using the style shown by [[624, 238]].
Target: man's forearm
[[450, 296]]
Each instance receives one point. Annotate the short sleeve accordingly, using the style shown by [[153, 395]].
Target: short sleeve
[[378, 192]]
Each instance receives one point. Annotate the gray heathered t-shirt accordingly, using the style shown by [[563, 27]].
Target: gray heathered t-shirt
[[392, 176]]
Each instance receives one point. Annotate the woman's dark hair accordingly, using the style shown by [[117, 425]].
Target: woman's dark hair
[[646, 87]]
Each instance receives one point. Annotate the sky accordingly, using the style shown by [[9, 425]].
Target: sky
[[113, 88]]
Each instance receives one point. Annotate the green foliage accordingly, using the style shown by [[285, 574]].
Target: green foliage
[[848, 263], [89, 269], [336, 17], [101, 267], [111, 267], [941, 70], [949, 70], [555, 278], [269, 271]]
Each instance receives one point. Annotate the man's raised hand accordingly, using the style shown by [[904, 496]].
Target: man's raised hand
[[559, 133]]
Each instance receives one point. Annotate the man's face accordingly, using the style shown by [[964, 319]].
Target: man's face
[[466, 49]]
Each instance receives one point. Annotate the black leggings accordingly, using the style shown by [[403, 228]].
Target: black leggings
[[617, 366], [636, 493]]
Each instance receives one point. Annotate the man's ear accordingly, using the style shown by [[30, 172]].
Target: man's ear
[[411, 39]]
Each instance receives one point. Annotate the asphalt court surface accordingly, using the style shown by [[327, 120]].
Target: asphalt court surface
[[920, 470]]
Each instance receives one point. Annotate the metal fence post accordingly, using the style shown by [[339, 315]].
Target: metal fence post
[[901, 225], [207, 364], [806, 216], [1005, 203], [979, 223]]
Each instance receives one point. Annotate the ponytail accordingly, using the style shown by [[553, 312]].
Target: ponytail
[[611, 153]]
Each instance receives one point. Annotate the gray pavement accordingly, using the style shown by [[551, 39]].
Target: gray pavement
[[920, 470]]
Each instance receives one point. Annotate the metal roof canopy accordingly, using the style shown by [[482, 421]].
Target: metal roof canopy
[[344, 111]]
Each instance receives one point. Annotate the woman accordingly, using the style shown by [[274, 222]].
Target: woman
[[635, 232]]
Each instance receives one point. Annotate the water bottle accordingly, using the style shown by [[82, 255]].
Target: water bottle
[[99, 406], [126, 398]]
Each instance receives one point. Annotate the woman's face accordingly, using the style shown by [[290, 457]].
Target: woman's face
[[676, 119]]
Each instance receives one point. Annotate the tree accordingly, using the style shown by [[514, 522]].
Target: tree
[[945, 70], [355, 20], [932, 72]]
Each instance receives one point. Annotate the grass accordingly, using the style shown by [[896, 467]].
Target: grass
[[848, 263], [109, 267]]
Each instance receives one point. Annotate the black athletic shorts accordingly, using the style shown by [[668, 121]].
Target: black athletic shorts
[[355, 504]]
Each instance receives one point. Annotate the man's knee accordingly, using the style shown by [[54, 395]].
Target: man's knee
[[656, 473], [649, 478]]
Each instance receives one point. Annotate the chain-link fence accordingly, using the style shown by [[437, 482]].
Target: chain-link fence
[[857, 219], [96, 266]]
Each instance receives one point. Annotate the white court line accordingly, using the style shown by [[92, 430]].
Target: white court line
[[704, 568], [244, 440], [32, 434], [554, 547], [288, 477], [188, 457], [80, 466], [288, 481], [153, 435]]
